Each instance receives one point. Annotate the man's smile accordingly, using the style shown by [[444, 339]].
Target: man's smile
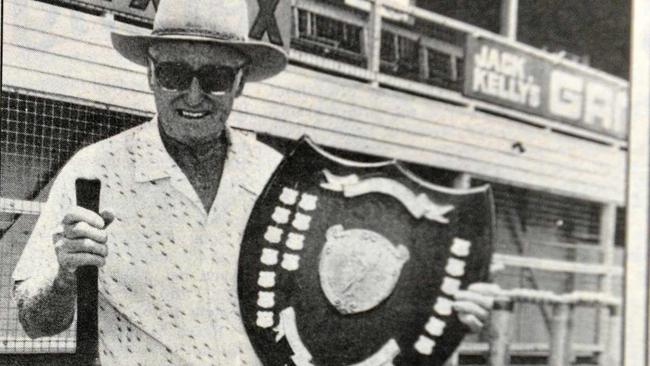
[[192, 114]]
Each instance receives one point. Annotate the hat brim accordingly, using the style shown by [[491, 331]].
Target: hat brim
[[266, 60]]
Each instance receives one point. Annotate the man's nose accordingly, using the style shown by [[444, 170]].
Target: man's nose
[[194, 95]]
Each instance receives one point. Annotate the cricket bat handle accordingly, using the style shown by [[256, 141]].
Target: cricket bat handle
[[87, 192]]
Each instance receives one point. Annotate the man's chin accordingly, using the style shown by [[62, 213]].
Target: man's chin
[[206, 131], [193, 130]]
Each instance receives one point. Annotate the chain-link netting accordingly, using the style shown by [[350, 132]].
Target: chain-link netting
[[38, 136]]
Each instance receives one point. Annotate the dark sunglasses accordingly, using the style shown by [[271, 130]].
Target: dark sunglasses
[[178, 76]]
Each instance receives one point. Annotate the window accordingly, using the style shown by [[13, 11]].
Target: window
[[441, 72], [329, 37], [399, 55]]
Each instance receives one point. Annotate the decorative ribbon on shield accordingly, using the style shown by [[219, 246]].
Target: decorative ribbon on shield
[[419, 205]]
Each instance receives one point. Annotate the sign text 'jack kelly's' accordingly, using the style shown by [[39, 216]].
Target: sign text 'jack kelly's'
[[503, 75]]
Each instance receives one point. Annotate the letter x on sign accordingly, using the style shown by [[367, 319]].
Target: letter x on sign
[[142, 4], [266, 22]]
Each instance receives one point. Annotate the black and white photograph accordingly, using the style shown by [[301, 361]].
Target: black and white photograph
[[325, 183]]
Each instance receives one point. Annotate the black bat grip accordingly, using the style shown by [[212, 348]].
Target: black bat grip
[[87, 192]]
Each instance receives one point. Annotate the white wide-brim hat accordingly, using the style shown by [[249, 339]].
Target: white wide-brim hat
[[218, 22]]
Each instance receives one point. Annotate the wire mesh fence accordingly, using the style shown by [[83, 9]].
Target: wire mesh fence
[[38, 136]]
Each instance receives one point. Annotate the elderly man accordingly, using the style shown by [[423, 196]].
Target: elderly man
[[177, 192]]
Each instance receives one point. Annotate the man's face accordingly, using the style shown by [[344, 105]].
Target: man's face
[[194, 115]]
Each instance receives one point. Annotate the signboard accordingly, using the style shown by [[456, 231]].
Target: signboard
[[508, 76], [270, 20]]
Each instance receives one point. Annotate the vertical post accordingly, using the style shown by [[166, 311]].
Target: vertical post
[[374, 41], [296, 19], [559, 354], [509, 12], [453, 67], [499, 332], [607, 238], [613, 342], [568, 345], [636, 350], [423, 59]]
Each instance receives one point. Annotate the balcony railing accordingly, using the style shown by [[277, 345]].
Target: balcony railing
[[404, 52], [560, 351], [424, 55]]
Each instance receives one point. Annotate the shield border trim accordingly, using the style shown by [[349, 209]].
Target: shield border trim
[[392, 162]]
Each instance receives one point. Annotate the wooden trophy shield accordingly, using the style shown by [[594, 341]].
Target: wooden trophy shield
[[347, 263]]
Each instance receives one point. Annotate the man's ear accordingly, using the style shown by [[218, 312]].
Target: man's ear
[[150, 75], [241, 83]]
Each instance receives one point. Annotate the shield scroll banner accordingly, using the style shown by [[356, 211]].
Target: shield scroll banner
[[347, 263]]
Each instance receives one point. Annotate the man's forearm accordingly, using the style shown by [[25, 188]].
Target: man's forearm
[[46, 307]]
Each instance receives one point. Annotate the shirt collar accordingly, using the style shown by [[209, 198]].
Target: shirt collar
[[198, 152], [152, 161]]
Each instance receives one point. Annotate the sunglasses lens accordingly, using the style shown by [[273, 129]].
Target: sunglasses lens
[[177, 76], [174, 75], [216, 78]]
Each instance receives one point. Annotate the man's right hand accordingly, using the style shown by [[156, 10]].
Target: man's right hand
[[83, 241]]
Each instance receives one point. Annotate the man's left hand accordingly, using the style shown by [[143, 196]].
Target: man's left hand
[[473, 305]]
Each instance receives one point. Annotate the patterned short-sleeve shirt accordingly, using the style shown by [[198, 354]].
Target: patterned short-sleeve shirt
[[168, 290]]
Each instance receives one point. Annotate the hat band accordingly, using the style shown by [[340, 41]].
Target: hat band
[[223, 36]]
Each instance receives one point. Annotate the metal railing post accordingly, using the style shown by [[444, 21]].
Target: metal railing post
[[423, 61], [612, 353], [560, 351], [499, 333], [607, 238], [509, 15], [374, 41]]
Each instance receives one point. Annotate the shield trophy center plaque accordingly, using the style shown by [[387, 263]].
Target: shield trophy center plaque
[[355, 264]]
